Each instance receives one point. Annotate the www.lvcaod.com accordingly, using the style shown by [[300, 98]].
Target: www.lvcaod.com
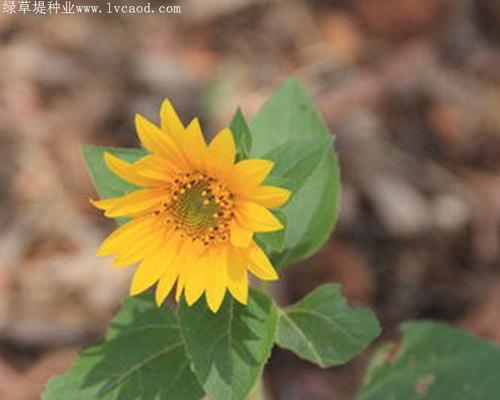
[[69, 7]]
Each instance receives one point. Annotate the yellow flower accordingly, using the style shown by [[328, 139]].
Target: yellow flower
[[194, 215]]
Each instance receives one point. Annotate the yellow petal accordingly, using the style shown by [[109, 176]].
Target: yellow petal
[[136, 250], [256, 218], [135, 253], [196, 148], [184, 254], [166, 283], [126, 233], [170, 121], [259, 264], [153, 267], [216, 285], [221, 153], [192, 273], [174, 128], [151, 137], [157, 141], [248, 174], [104, 204], [136, 202], [237, 277], [240, 237], [196, 279], [156, 168], [269, 196], [155, 175], [126, 171], [145, 276]]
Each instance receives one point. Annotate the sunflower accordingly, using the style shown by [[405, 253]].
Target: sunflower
[[193, 215]]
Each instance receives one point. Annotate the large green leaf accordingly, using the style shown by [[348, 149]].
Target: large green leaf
[[143, 357], [298, 159], [288, 115], [321, 328], [229, 349], [311, 212], [434, 362], [288, 130]]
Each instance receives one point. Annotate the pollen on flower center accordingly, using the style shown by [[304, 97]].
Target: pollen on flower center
[[199, 207]]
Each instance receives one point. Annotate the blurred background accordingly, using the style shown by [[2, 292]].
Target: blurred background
[[411, 89]]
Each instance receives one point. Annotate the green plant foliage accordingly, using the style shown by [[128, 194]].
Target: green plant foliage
[[321, 328], [242, 135], [298, 159], [152, 353], [229, 349], [142, 357], [288, 115], [288, 130], [434, 362]]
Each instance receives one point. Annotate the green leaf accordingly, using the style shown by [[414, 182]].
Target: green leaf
[[229, 349], [107, 184], [289, 130], [241, 133], [312, 212], [288, 115], [142, 357], [434, 362], [321, 328], [298, 159]]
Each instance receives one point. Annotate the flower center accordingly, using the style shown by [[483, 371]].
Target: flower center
[[199, 207]]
